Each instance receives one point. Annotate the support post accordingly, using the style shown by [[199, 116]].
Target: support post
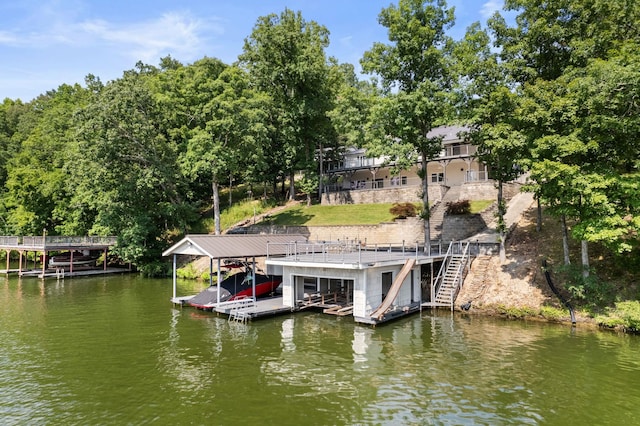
[[175, 275], [253, 278], [210, 271], [219, 279]]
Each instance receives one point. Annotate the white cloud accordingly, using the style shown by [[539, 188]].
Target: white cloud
[[176, 33], [489, 7], [173, 33]]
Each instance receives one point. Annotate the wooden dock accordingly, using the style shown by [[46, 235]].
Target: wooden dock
[[249, 309], [44, 244], [61, 274]]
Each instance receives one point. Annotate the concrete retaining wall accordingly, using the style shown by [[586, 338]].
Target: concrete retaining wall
[[410, 194], [408, 230]]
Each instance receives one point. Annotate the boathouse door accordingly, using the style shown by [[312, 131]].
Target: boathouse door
[[387, 281]]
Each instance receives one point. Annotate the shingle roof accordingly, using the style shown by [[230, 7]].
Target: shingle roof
[[449, 133], [232, 246]]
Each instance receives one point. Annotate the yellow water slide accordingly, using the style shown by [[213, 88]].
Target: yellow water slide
[[394, 290]]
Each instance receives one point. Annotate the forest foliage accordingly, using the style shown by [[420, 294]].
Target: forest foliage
[[555, 94]]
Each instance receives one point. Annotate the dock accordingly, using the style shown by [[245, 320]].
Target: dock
[[61, 274], [250, 309], [45, 244]]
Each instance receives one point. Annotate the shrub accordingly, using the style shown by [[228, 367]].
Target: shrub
[[458, 207], [188, 272], [590, 291], [403, 210], [553, 314], [517, 312], [625, 315]]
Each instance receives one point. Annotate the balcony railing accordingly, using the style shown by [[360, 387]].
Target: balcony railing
[[58, 241], [361, 162]]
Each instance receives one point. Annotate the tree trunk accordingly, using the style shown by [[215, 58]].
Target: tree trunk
[[565, 240], [292, 186], [585, 259], [216, 206], [539, 217], [321, 167], [502, 227], [425, 206]]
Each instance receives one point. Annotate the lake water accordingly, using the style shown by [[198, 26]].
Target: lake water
[[114, 351]]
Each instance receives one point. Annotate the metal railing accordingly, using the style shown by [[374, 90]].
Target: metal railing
[[349, 251], [455, 248], [53, 240]]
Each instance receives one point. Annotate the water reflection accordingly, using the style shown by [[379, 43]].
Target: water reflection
[[116, 352]]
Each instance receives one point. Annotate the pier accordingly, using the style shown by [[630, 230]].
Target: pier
[[45, 244]]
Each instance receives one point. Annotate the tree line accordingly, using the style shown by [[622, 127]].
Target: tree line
[[554, 94]]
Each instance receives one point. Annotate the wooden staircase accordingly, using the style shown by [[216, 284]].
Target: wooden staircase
[[449, 280]]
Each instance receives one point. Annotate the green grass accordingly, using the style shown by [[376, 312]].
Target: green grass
[[238, 212], [348, 214], [478, 206]]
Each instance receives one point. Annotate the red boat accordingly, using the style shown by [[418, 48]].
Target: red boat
[[237, 286]]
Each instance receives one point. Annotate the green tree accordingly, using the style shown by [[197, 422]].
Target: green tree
[[38, 185], [415, 72], [126, 168], [230, 133], [577, 63], [285, 58]]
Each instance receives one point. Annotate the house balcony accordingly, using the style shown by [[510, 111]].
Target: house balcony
[[352, 163]]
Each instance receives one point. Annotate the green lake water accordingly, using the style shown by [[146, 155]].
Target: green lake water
[[115, 351]]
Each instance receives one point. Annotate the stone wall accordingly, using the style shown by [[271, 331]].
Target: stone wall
[[409, 231], [487, 190], [409, 194]]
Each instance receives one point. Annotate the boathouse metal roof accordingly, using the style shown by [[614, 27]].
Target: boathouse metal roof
[[233, 246]]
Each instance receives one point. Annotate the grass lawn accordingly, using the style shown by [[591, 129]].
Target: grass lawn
[[347, 214]]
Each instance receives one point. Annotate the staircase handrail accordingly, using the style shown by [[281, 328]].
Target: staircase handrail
[[443, 268], [457, 277]]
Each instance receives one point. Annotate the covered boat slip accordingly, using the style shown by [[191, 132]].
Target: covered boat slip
[[62, 244], [221, 247], [374, 284]]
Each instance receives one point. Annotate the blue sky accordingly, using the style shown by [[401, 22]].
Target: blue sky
[[46, 43]]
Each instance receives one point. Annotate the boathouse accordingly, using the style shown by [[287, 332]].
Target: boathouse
[[220, 247], [46, 244], [374, 284]]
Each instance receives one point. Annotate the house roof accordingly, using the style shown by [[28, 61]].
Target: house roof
[[449, 133], [231, 246]]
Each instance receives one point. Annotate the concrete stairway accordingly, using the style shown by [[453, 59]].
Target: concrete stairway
[[437, 212]]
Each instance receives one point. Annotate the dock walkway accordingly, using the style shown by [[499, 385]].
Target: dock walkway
[[260, 308]]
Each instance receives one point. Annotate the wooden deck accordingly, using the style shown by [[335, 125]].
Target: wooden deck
[[61, 274], [333, 303], [260, 308]]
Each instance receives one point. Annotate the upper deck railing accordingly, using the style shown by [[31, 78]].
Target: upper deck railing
[[56, 241]]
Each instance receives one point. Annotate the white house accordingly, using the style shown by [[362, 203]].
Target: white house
[[455, 165]]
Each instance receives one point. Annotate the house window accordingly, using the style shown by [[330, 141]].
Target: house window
[[379, 183], [437, 177], [398, 180]]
